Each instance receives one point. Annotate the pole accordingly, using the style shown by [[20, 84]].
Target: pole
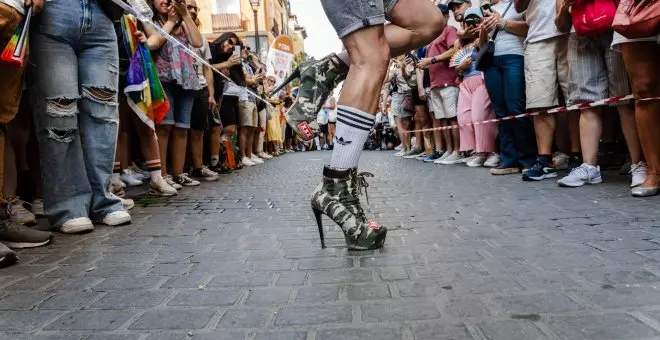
[[256, 33]]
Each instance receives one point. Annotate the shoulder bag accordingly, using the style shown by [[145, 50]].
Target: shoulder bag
[[487, 51], [637, 18]]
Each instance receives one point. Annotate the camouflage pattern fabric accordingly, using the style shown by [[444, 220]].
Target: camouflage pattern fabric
[[317, 80], [359, 233]]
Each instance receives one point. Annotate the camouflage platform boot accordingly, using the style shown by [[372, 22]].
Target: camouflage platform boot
[[337, 198], [317, 80]]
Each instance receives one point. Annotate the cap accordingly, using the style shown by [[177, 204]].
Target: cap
[[451, 3], [473, 11], [443, 8]]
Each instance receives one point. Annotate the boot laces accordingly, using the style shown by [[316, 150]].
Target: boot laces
[[361, 184]]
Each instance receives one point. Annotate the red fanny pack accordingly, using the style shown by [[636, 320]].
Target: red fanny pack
[[591, 17]]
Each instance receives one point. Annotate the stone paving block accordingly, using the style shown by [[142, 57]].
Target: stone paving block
[[112, 337], [206, 297], [325, 263], [467, 307], [393, 273], [291, 279], [218, 335], [552, 302], [368, 292], [487, 284], [262, 255], [245, 318], [548, 281], [173, 319], [608, 326], [317, 294], [170, 269], [24, 321], [374, 333], [116, 283], [289, 316], [268, 296], [630, 277], [42, 337], [433, 330], [23, 301], [271, 265], [621, 297], [69, 300], [281, 336], [342, 276], [91, 320], [388, 260], [399, 311], [298, 253], [186, 281], [121, 300], [511, 330], [242, 279], [424, 287]]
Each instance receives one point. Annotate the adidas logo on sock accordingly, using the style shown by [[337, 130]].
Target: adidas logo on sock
[[341, 141]]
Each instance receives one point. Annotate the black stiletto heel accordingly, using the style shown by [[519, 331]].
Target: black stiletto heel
[[294, 75], [319, 222]]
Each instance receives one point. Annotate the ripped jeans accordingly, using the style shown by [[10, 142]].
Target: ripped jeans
[[73, 87]]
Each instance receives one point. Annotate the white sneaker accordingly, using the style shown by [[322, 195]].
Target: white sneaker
[[127, 203], [130, 178], [421, 156], [139, 172], [560, 160], [443, 157], [477, 160], [413, 153], [454, 158], [117, 182], [172, 183], [469, 159], [398, 147], [117, 218], [400, 153], [186, 181], [77, 225], [160, 187], [265, 155], [584, 174], [248, 162], [492, 161], [256, 159], [639, 172]]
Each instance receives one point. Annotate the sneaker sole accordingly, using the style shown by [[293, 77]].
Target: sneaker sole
[[207, 179], [505, 172], [120, 222], [77, 229], [577, 185], [25, 245], [191, 185], [537, 179], [475, 165], [153, 192]]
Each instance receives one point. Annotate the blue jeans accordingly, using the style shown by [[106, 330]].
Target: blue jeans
[[73, 88], [181, 105], [505, 82]]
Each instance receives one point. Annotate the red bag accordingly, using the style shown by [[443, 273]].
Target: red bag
[[591, 17], [638, 18]]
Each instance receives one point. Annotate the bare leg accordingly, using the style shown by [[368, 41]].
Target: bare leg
[[544, 125], [242, 140], [179, 142], [455, 135], [163, 133], [196, 147], [437, 135], [629, 128], [591, 127]]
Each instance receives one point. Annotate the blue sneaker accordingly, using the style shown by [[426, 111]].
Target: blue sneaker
[[540, 171], [436, 154]]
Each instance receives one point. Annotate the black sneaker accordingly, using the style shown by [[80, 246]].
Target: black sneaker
[[221, 169], [540, 171], [185, 181], [204, 174]]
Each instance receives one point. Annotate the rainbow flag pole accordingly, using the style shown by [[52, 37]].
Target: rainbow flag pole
[[15, 51]]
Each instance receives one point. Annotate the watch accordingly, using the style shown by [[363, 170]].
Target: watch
[[433, 60]]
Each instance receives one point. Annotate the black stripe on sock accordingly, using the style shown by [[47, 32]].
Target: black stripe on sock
[[357, 117], [355, 121], [359, 127]]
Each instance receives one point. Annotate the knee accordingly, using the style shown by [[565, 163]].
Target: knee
[[61, 123], [105, 97], [645, 87], [180, 132], [434, 27], [371, 60]]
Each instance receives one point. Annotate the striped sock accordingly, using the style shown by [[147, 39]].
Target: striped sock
[[153, 167], [116, 170], [353, 128]]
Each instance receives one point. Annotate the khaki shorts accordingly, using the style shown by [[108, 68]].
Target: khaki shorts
[[262, 119], [444, 102], [546, 72], [12, 76], [247, 114]]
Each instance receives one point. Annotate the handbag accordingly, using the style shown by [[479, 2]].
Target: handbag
[[592, 17], [637, 19], [408, 104], [486, 53]]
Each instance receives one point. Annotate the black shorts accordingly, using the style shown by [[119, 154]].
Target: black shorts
[[200, 116], [288, 133], [229, 110], [416, 100], [323, 128]]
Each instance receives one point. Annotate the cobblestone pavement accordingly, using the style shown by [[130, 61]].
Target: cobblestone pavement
[[468, 256]]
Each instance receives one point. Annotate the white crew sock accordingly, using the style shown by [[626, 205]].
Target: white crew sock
[[353, 128], [215, 159]]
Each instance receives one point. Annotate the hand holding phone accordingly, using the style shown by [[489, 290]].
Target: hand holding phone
[[237, 51]]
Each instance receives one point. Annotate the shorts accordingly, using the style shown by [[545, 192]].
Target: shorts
[[595, 71], [618, 39], [444, 102], [12, 77], [229, 110], [181, 105], [262, 119], [323, 128], [200, 117], [332, 116], [546, 72], [397, 106], [416, 99], [348, 16], [247, 114]]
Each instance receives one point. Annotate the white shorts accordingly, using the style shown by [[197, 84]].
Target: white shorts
[[546, 72], [444, 102]]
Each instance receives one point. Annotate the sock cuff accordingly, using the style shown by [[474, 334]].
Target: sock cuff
[[355, 118]]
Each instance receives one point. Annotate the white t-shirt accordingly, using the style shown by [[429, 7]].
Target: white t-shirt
[[540, 16], [508, 43], [205, 53], [17, 4]]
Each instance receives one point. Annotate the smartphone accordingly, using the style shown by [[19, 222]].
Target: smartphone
[[237, 51]]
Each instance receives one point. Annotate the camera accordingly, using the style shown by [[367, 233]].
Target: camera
[[472, 21]]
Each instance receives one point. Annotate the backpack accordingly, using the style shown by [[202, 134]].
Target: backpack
[[592, 17]]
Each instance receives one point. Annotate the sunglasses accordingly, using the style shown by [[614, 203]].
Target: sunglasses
[[190, 8], [486, 7]]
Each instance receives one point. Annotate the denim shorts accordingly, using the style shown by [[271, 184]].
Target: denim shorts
[[181, 105], [348, 16]]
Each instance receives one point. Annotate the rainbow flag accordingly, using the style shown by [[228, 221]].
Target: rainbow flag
[[143, 88], [15, 51]]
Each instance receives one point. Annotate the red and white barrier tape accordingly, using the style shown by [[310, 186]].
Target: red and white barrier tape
[[576, 107]]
